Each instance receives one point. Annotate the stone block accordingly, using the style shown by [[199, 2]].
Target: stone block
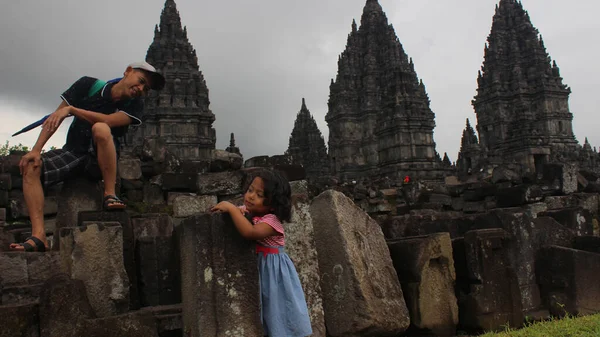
[[565, 175], [194, 166], [130, 168], [78, 194], [504, 174], [93, 253], [361, 291], [259, 161], [222, 160], [158, 271], [4, 199], [478, 191], [300, 187], [66, 312], [518, 195], [21, 294], [425, 268], [568, 280], [172, 195], [576, 218], [534, 209], [474, 207], [300, 246], [18, 268], [488, 289], [129, 185], [221, 183], [168, 319], [19, 320], [128, 244], [219, 279], [2, 214], [5, 182], [587, 243], [151, 225], [179, 181], [18, 208], [153, 194], [188, 205]]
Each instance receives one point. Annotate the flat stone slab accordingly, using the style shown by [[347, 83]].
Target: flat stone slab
[[361, 292]]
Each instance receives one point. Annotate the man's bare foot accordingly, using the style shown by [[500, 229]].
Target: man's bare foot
[[31, 244]]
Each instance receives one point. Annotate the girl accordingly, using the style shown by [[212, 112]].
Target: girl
[[267, 202]]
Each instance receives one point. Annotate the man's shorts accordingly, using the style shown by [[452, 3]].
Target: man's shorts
[[59, 164]]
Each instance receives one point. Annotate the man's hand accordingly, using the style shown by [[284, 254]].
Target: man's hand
[[33, 156], [56, 118], [223, 206]]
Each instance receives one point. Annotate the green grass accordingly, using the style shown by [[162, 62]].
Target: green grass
[[584, 326]]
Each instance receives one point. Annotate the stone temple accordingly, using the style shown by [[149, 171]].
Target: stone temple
[[522, 104], [180, 113], [379, 118], [307, 146]]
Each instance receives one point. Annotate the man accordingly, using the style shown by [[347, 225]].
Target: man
[[99, 118]]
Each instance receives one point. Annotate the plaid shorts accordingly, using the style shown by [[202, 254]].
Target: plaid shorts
[[59, 164]]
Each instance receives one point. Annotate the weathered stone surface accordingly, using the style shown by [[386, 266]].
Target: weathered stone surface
[[587, 243], [488, 289], [19, 320], [18, 268], [64, 306], [222, 183], [219, 285], [518, 195], [153, 194], [425, 224], [168, 319], [78, 194], [425, 268], [568, 280], [504, 174], [66, 312], [18, 208], [93, 253], [151, 225], [158, 271], [130, 168], [179, 181], [188, 205], [300, 246], [521, 253], [222, 160], [20, 294], [588, 201], [259, 161], [361, 291], [5, 182], [128, 245], [564, 174], [577, 219]]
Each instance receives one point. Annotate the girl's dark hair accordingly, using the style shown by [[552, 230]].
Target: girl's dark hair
[[278, 193]]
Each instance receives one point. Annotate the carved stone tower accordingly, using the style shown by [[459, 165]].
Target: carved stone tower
[[470, 153], [379, 118], [180, 113], [307, 146], [522, 105]]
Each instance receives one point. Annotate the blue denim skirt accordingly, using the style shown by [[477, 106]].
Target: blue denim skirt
[[283, 307]]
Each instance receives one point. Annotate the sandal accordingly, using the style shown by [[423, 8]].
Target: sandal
[[112, 202], [39, 245]]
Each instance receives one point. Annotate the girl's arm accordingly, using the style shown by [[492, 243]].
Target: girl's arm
[[251, 232]]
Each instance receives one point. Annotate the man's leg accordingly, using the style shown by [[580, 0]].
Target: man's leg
[[107, 156], [34, 199]]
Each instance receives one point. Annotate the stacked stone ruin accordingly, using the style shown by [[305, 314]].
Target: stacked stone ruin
[[376, 257]]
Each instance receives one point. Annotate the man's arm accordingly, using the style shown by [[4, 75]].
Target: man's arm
[[113, 120]]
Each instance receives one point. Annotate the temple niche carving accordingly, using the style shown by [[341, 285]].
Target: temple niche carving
[[180, 113], [379, 118], [307, 146], [522, 104]]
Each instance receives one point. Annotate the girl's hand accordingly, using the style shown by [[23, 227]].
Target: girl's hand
[[223, 206]]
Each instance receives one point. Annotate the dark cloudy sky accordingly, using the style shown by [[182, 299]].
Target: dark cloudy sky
[[260, 58]]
